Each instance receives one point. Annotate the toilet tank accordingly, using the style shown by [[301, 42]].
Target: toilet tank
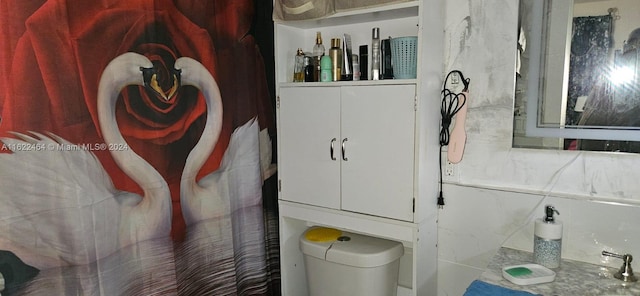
[[340, 263]]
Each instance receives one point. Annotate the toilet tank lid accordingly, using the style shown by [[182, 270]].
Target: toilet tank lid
[[315, 241], [354, 250]]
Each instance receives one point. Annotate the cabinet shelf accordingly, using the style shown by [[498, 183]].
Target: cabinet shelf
[[350, 83], [376, 13], [394, 20], [366, 224]]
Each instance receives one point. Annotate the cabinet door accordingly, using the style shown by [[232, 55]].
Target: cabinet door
[[309, 120], [378, 124]]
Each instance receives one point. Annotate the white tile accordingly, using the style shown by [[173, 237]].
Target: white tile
[[476, 222], [453, 279]]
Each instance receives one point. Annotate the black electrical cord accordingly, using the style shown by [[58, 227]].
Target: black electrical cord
[[450, 105]]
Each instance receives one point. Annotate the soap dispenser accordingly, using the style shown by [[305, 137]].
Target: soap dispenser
[[547, 240]]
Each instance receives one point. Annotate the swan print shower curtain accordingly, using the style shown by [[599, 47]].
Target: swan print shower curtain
[[130, 159]]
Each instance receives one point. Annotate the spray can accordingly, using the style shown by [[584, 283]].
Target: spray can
[[375, 54], [336, 59]]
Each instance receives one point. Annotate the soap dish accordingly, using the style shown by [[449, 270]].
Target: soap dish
[[528, 274]]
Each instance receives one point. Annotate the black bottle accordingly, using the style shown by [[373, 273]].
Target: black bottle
[[364, 62], [309, 69], [386, 65]]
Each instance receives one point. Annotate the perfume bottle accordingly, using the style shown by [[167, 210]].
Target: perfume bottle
[[298, 66], [318, 53]]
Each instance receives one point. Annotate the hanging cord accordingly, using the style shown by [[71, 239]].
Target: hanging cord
[[450, 105], [551, 185]]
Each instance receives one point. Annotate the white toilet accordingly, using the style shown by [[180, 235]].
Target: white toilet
[[348, 264]]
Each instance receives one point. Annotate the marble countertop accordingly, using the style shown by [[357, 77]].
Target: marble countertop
[[572, 277]]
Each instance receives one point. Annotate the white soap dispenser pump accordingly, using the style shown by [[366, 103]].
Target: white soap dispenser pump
[[547, 240]]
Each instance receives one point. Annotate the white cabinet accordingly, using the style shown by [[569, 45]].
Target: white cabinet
[[349, 148], [308, 145], [384, 183]]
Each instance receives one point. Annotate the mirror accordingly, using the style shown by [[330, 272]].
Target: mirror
[[578, 75]]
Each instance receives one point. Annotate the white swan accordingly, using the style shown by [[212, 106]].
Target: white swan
[[223, 210], [59, 206], [237, 181]]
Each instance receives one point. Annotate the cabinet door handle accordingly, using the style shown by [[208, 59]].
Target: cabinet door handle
[[344, 155], [333, 157]]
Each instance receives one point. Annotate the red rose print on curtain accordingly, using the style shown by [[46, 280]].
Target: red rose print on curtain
[[53, 52]]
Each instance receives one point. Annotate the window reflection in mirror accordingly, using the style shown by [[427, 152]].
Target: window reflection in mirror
[[588, 62]]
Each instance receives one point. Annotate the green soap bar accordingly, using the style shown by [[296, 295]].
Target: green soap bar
[[519, 271]]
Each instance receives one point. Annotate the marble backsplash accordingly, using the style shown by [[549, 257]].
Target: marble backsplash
[[480, 39], [476, 222]]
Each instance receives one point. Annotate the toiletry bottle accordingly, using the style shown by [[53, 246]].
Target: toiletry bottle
[[298, 66], [386, 71], [346, 73], [336, 59], [309, 69], [364, 62], [318, 53], [547, 240], [356, 67], [375, 54], [326, 69]]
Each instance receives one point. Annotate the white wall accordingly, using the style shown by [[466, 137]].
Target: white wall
[[501, 189]]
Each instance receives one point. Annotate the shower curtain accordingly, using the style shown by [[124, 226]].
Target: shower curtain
[[74, 217]]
